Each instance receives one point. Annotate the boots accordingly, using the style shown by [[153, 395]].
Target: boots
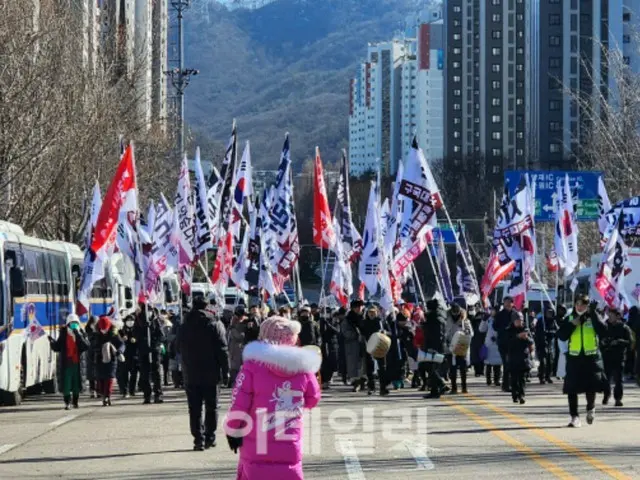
[[463, 380], [488, 375], [76, 396], [67, 402]]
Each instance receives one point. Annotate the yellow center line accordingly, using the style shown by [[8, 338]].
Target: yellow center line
[[567, 447], [517, 444]]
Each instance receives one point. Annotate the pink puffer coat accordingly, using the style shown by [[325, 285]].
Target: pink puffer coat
[[274, 386]]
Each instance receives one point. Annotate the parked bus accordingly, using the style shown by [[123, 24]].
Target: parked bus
[[39, 281]]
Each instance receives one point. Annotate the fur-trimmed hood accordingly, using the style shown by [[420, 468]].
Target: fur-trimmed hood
[[283, 359]]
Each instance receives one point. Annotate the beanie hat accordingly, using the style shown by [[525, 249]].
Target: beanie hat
[[280, 331], [104, 323]]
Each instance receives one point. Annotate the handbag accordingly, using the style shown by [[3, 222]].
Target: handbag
[[484, 351], [430, 356]]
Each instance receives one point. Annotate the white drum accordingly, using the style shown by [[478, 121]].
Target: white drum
[[378, 345]]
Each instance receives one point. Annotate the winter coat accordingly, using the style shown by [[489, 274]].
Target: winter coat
[[274, 386], [461, 324], [107, 370], [310, 332], [584, 373], [141, 333], [397, 355], [614, 345], [329, 332], [545, 335], [60, 344], [370, 326], [492, 356], [253, 329], [504, 319], [202, 346], [478, 338], [353, 349], [518, 350], [130, 343], [435, 330], [236, 341]]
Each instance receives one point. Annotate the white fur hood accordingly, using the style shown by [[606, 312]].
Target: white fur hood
[[283, 358]]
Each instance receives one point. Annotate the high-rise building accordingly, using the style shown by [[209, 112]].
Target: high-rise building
[[159, 62], [576, 46], [375, 110], [485, 88]]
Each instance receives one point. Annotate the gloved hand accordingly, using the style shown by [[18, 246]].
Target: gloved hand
[[234, 443], [225, 380], [593, 306]]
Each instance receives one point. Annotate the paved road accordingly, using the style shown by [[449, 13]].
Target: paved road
[[482, 435]]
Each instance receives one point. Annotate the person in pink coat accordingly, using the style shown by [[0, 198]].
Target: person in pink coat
[[276, 383]]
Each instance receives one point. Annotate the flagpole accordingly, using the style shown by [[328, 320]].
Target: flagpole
[[458, 246], [417, 280], [321, 276], [296, 270], [436, 269]]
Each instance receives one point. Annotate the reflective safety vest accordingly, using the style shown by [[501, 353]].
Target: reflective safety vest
[[583, 338]]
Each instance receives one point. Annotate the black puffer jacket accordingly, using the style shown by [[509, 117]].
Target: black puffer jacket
[[310, 332], [202, 344], [435, 327]]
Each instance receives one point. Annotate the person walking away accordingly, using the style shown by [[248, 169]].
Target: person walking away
[[435, 333], [405, 343], [202, 345], [128, 374], [546, 330], [310, 330], [72, 341], [503, 321], [149, 337], [614, 346], [476, 316], [419, 379], [236, 341], [353, 346], [342, 354], [110, 347], [167, 326], [329, 331], [585, 370], [91, 329], [276, 383], [459, 336], [374, 323], [492, 357], [253, 328], [396, 359], [521, 346]]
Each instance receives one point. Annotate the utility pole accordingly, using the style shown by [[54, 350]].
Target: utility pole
[[180, 76]]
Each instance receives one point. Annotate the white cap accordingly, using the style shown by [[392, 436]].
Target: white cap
[[72, 317]]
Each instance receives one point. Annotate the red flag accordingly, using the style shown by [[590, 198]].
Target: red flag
[[121, 196], [552, 261], [323, 234], [224, 258], [494, 272], [361, 291]]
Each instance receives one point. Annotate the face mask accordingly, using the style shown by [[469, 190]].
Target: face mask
[[74, 326], [129, 323]]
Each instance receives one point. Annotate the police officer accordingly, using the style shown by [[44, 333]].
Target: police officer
[[583, 329], [150, 338]]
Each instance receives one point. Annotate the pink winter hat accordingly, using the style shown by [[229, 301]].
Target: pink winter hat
[[280, 331]]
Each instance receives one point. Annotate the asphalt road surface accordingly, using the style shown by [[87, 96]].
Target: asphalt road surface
[[482, 435]]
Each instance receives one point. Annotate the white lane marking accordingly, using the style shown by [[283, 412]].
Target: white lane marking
[[351, 461], [419, 453], [62, 421], [5, 448]]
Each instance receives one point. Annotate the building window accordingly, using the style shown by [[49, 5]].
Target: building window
[[555, 41], [520, 67], [520, 51], [554, 1], [456, 134], [554, 105], [457, 51], [495, 102], [555, 148], [555, 19], [496, 135], [519, 152], [496, 51], [495, 119], [520, 17], [496, 34], [555, 62], [626, 60], [456, 64], [456, 106], [496, 17], [495, 2], [495, 84], [495, 68], [519, 101], [554, 126], [626, 17], [456, 79], [496, 152], [456, 121], [457, 36], [456, 149], [457, 93]]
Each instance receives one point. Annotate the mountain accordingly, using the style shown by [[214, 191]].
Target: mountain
[[282, 67]]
